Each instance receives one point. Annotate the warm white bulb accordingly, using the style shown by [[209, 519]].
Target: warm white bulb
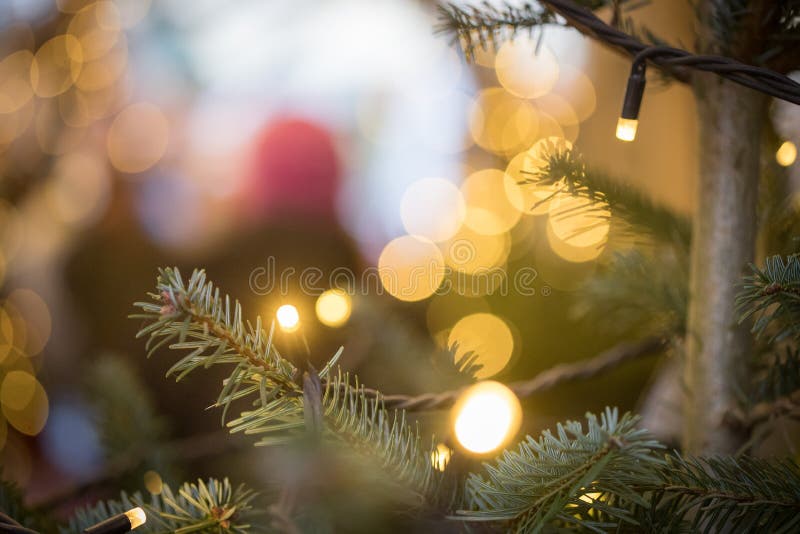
[[786, 154], [288, 318], [626, 129], [486, 416], [136, 516], [333, 308], [441, 457]]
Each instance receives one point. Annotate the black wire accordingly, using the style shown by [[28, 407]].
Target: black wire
[[758, 78]]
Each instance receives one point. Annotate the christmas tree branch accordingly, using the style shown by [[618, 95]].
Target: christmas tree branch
[[772, 297], [194, 316], [562, 373]]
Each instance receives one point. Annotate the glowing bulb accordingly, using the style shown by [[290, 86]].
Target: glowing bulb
[[136, 516], [333, 308], [626, 129], [486, 416], [786, 154], [441, 457], [288, 318]]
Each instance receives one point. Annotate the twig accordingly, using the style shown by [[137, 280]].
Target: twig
[[567, 372], [765, 411]]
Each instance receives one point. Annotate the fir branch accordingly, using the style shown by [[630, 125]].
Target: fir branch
[[642, 291], [772, 298], [565, 171], [212, 507], [194, 316], [542, 482]]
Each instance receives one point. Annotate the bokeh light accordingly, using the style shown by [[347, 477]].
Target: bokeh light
[[432, 208], [79, 189], [486, 416], [152, 482], [138, 137], [333, 308], [96, 28], [502, 123], [525, 71], [36, 315], [578, 227], [445, 310], [15, 85], [487, 336], [493, 201], [288, 318], [473, 253], [440, 456], [786, 154], [56, 66], [24, 402], [522, 189], [411, 268]]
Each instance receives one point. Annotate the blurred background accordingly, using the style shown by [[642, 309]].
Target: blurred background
[[249, 137]]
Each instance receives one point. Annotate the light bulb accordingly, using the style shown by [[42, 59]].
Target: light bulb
[[626, 129], [786, 154], [288, 318], [333, 308], [136, 516], [486, 416]]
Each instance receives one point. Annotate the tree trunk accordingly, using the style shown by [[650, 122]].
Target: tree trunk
[[723, 242]]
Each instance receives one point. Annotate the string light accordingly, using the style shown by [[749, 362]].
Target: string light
[[333, 308], [288, 318], [786, 154], [629, 119], [124, 522], [486, 416], [440, 457]]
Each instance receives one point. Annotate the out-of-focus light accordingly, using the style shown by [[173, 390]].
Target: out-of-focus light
[[626, 129], [104, 71], [15, 84], [36, 315], [445, 310], [559, 109], [591, 497], [440, 457], [786, 154], [525, 71], [487, 336], [136, 516], [288, 318], [138, 137], [333, 307], [96, 27], [80, 188], [473, 253], [523, 190], [433, 208], [493, 199], [502, 123], [486, 416], [578, 90], [411, 268], [56, 66], [153, 482], [24, 402]]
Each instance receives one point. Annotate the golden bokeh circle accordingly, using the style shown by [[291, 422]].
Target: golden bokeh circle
[[525, 71], [485, 417], [433, 208], [411, 268], [138, 138], [56, 65], [24, 402], [493, 201], [334, 307], [487, 336]]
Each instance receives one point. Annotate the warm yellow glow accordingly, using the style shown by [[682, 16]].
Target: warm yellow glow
[[97, 28], [411, 268], [626, 129], [523, 189], [334, 307], [104, 71], [502, 123], [493, 199], [15, 84], [591, 497], [36, 316], [486, 416], [432, 208], [24, 402], [473, 253], [153, 482], [56, 66], [288, 318], [577, 89], [487, 336], [79, 188], [560, 110], [441, 456], [577, 227], [138, 137], [524, 70], [136, 516], [786, 154]]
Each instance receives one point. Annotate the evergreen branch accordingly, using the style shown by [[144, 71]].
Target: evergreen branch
[[562, 373], [772, 297], [193, 316], [212, 507], [542, 482], [788, 405], [565, 172], [642, 291]]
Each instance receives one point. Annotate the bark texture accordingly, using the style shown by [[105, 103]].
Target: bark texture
[[723, 242]]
